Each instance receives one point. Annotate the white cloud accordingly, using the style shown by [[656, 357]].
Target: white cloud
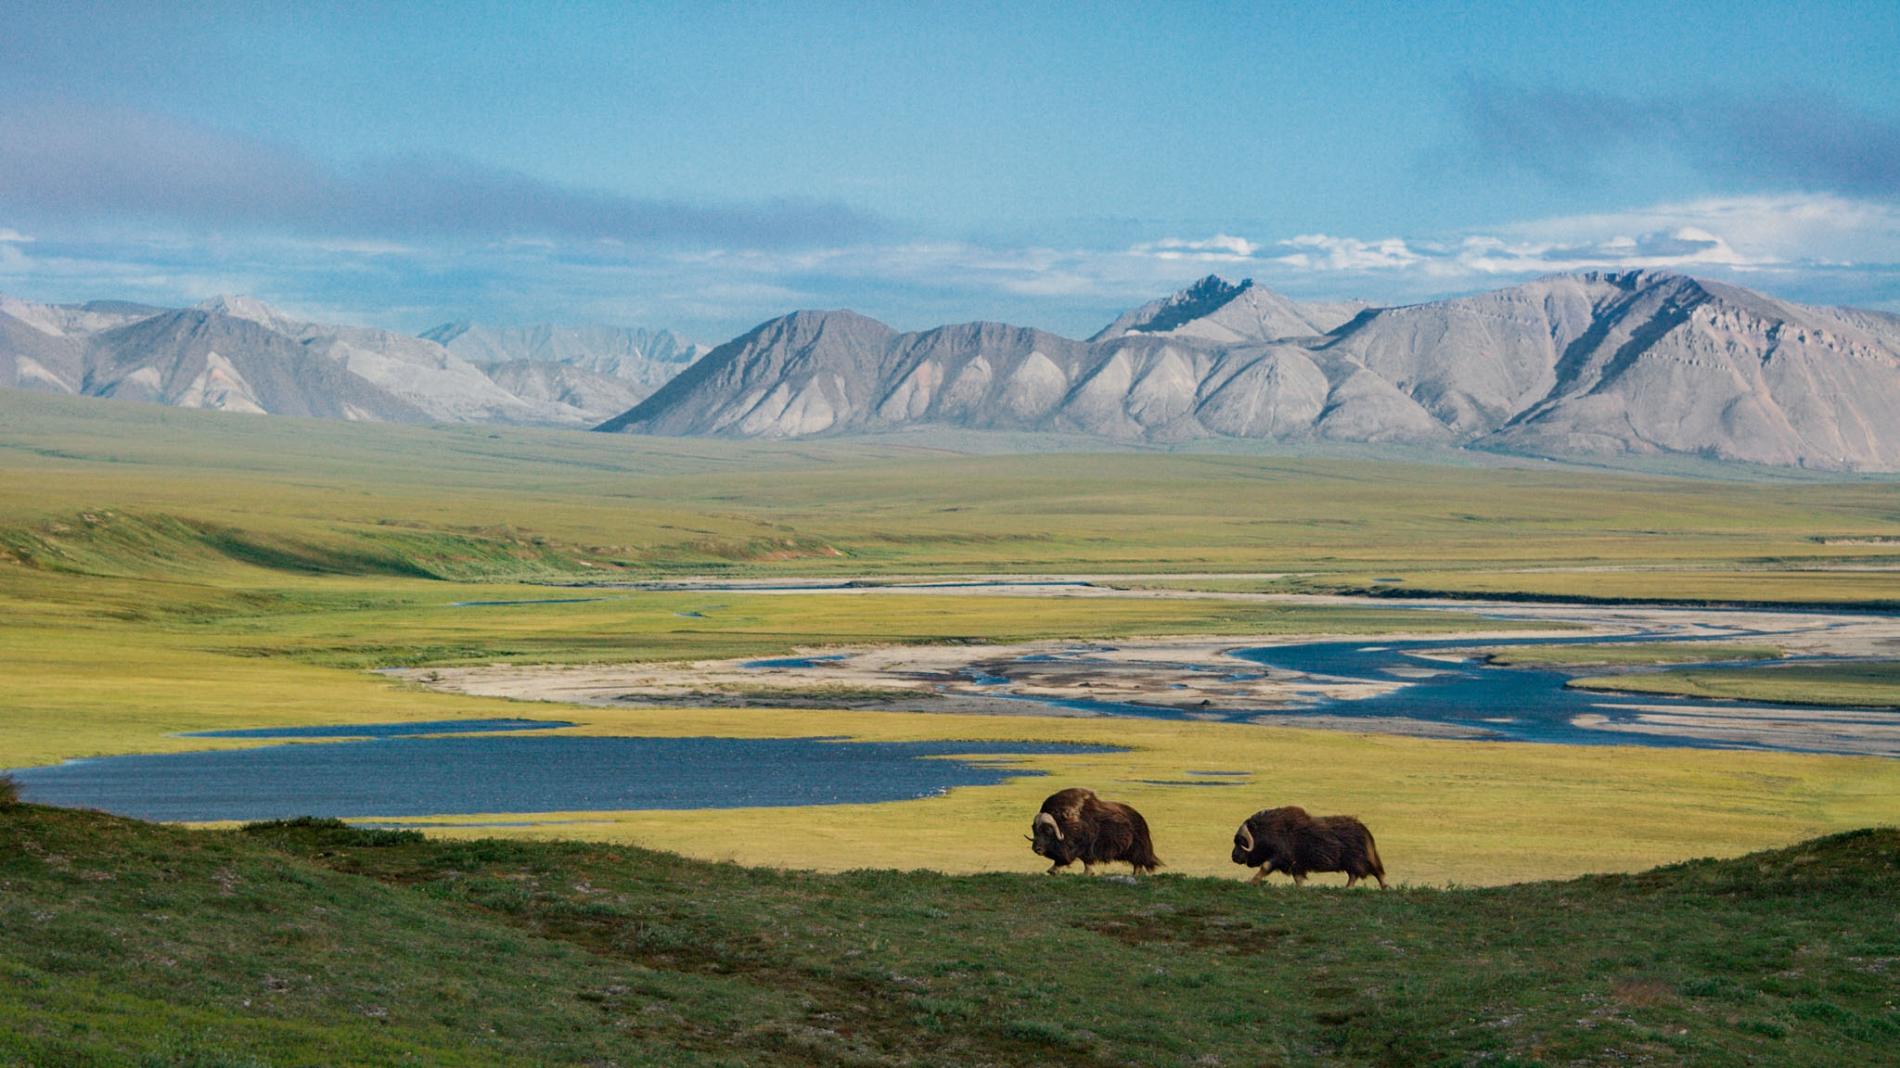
[[1219, 248], [1684, 248], [1793, 235], [1816, 248], [1327, 253], [1761, 229], [11, 236]]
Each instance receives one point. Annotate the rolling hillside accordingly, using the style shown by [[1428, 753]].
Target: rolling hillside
[[310, 943]]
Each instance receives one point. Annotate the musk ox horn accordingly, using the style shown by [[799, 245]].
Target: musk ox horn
[[1044, 817], [1246, 838]]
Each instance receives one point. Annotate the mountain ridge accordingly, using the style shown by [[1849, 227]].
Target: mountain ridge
[[237, 353], [1577, 365], [1592, 363], [639, 360]]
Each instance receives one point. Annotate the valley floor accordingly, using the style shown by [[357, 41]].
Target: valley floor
[[1465, 812], [166, 572]]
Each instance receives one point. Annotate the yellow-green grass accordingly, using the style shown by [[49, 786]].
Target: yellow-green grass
[[1443, 811], [165, 571], [1619, 654], [202, 489], [1791, 582], [1870, 685], [121, 666], [98, 666]]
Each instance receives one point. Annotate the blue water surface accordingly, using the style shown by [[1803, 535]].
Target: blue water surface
[[404, 775]]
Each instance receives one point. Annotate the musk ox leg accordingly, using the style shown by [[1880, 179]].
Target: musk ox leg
[[1382, 885], [1351, 880], [1299, 878], [1258, 875], [1088, 868], [1054, 867]]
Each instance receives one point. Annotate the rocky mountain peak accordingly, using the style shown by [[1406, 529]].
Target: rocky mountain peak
[[252, 309], [1201, 299]]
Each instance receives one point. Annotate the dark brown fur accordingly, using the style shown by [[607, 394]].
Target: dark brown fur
[[1092, 831], [1289, 840]]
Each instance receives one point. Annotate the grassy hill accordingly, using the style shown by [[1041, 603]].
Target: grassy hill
[[313, 944]]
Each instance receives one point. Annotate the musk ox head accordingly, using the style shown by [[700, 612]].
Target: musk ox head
[[1045, 836], [1245, 847]]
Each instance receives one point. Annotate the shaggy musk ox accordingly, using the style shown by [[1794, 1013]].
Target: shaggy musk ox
[[1289, 840], [1076, 825]]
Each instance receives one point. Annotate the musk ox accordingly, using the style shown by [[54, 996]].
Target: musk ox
[[1076, 825], [1289, 840]]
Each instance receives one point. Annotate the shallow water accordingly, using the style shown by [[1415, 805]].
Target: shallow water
[[1503, 703], [793, 661], [403, 775], [1516, 703]]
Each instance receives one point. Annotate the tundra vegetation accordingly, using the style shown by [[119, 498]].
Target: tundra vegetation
[[165, 571], [1629, 654], [169, 571], [314, 944], [1871, 684]]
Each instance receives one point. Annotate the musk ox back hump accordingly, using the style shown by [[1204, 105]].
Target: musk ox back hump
[[1066, 805]]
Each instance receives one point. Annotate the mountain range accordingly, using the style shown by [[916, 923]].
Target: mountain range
[[593, 368], [1606, 363], [241, 355], [1581, 364]]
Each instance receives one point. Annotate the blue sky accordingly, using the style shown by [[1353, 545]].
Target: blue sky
[[706, 166]]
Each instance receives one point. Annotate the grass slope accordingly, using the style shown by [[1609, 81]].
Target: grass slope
[[300, 944], [1629, 654], [198, 490], [1867, 685]]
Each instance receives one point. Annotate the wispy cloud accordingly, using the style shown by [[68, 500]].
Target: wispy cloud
[[1784, 229], [1798, 240], [1328, 253], [1220, 247], [1737, 234], [1777, 141], [1829, 249], [79, 163], [1685, 247]]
